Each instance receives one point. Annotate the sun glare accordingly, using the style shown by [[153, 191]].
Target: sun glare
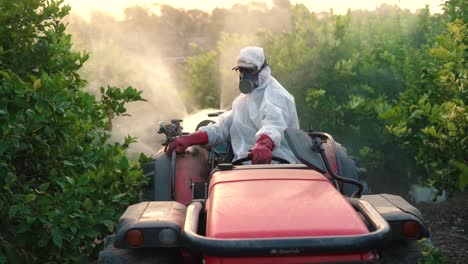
[[117, 7]]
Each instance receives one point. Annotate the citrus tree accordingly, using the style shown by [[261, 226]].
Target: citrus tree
[[62, 185], [431, 119]]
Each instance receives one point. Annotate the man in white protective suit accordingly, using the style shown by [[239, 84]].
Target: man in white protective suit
[[258, 117]]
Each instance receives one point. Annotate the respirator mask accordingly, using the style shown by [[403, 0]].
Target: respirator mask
[[248, 81]]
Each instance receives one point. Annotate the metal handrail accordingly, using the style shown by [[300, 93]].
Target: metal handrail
[[286, 245]]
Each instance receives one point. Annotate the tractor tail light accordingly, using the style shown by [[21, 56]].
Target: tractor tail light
[[135, 238], [411, 229]]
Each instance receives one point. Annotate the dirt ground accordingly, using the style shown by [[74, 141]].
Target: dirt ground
[[448, 222]]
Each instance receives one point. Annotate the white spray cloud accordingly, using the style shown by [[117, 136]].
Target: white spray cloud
[[123, 57]]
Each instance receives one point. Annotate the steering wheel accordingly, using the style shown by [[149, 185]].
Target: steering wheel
[[240, 161], [204, 123]]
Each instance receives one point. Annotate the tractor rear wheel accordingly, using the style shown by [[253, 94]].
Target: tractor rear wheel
[[158, 171], [405, 252]]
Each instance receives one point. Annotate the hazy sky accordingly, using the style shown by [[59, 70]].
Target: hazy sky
[[116, 7]]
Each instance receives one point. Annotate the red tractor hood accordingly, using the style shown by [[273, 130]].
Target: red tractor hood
[[261, 203]]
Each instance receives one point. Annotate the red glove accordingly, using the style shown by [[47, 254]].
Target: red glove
[[261, 153], [183, 142]]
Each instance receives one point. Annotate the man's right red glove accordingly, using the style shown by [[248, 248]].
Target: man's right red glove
[[262, 153], [183, 142]]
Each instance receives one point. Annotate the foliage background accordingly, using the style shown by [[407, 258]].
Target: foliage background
[[388, 84]]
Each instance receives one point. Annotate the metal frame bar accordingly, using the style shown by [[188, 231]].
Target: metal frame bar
[[287, 245]]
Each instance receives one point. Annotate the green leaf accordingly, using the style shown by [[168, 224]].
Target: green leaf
[[68, 163], [83, 180], [87, 203], [124, 163], [5, 75], [430, 131], [416, 114], [463, 176], [43, 187], [109, 224], [388, 114], [53, 172], [91, 233], [23, 227], [57, 237], [10, 178], [70, 180], [30, 197], [118, 197], [451, 127], [37, 84], [13, 210]]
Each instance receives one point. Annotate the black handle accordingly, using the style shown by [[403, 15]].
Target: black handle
[[240, 161], [317, 146]]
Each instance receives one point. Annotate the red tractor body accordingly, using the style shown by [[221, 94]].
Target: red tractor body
[[202, 210], [192, 167], [279, 203]]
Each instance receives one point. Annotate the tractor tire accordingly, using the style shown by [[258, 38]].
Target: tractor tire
[[112, 255], [405, 252], [158, 170]]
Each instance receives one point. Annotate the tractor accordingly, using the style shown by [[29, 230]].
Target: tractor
[[203, 207]]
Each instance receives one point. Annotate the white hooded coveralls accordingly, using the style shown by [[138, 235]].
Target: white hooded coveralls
[[268, 109]]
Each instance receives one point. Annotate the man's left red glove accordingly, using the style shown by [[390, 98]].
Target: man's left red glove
[[261, 153], [183, 142]]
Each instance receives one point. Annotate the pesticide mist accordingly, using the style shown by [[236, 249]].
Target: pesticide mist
[[151, 51], [122, 56]]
